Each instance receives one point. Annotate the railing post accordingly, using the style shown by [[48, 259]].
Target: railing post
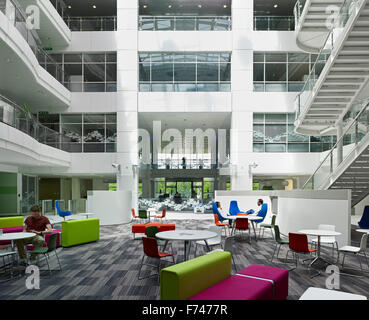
[[331, 163], [356, 132]]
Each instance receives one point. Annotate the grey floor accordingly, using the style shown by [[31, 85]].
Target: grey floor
[[108, 269]]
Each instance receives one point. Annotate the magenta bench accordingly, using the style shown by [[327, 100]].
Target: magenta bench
[[209, 278]]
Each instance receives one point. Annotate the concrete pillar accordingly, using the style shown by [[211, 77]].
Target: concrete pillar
[[127, 91], [76, 188]]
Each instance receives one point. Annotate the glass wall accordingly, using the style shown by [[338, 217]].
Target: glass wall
[[89, 132], [283, 71], [278, 23], [274, 132], [90, 72], [185, 72]]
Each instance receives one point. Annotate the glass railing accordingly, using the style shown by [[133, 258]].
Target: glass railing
[[179, 164], [19, 118], [91, 23], [356, 122], [188, 23], [178, 204], [274, 23], [324, 53], [60, 7], [297, 11], [18, 18]]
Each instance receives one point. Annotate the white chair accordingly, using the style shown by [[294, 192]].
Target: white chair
[[228, 246], [216, 241], [327, 240], [356, 250]]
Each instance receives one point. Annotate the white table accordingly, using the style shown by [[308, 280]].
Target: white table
[[325, 294], [187, 236], [87, 214], [151, 211], [250, 217], [13, 237], [363, 230], [319, 233]]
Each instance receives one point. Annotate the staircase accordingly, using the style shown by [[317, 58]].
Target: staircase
[[341, 70]]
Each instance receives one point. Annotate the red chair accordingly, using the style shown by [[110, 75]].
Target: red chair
[[298, 243], [162, 216], [223, 225], [134, 215], [243, 224], [151, 250]]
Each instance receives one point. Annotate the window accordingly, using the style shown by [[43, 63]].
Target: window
[[89, 132], [90, 72], [275, 132], [281, 72], [185, 72]]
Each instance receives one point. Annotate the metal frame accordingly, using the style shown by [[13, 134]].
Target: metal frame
[[147, 264]]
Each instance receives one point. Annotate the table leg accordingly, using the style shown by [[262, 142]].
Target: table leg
[[207, 246], [165, 245], [185, 250], [253, 226]]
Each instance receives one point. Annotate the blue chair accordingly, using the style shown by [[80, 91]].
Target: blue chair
[[233, 208], [216, 211], [262, 213], [61, 212], [364, 221]]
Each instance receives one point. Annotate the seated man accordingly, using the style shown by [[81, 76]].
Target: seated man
[[38, 224], [263, 210]]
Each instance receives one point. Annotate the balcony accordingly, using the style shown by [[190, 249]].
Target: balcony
[[91, 23], [274, 23], [187, 23]]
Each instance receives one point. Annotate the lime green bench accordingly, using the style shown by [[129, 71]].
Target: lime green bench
[[184, 280], [76, 232], [11, 222]]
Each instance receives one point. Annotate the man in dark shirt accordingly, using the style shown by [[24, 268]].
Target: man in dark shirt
[[38, 224]]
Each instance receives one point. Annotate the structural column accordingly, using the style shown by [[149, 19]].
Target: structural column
[[127, 88], [242, 86]]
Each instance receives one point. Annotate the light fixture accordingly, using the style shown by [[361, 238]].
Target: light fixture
[[225, 6], [169, 6], [276, 6], [94, 6], [69, 7], [145, 6], [200, 6]]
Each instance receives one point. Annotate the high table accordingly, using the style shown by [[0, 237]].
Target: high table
[[13, 237], [187, 236], [319, 233], [252, 218]]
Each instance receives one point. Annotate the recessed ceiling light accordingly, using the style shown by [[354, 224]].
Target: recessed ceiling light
[[94, 6], [225, 6], [169, 6], [199, 5], [276, 6], [69, 7], [145, 6]]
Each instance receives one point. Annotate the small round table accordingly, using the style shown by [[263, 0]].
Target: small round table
[[319, 233], [187, 236], [151, 211], [13, 237], [250, 217], [363, 230]]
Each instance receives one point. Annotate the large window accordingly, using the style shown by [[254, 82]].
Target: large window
[[185, 72], [88, 132], [281, 71], [274, 132], [90, 72]]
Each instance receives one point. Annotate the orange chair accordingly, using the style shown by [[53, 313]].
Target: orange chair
[[134, 215], [298, 243], [162, 216], [243, 224], [223, 225]]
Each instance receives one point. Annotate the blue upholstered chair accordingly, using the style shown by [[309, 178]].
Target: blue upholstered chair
[[262, 213], [62, 213], [216, 211], [364, 221], [233, 208]]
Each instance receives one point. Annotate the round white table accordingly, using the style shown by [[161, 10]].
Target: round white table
[[187, 236], [363, 230], [13, 237], [250, 217], [319, 233], [87, 214]]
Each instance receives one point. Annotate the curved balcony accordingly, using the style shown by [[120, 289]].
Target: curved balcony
[[312, 19], [26, 65], [25, 141]]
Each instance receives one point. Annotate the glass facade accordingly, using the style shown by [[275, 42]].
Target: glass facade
[[274, 132], [88, 132], [90, 72], [283, 71], [185, 72]]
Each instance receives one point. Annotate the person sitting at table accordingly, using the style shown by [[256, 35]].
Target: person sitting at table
[[38, 224], [262, 212]]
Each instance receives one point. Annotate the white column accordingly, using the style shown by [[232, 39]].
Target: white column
[[127, 88], [242, 83]]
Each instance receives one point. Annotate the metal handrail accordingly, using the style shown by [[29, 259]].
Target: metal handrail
[[365, 103], [318, 60]]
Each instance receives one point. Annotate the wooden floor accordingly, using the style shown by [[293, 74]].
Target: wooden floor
[[108, 269]]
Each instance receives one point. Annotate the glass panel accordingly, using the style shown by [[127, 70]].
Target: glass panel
[[94, 87], [111, 72], [298, 71], [258, 147], [207, 72], [275, 133], [208, 57], [258, 133], [275, 117], [162, 72], [94, 133], [275, 57], [295, 137], [275, 87], [275, 147], [73, 57], [162, 87], [184, 87], [185, 24], [258, 72], [298, 147], [298, 57], [224, 87], [94, 72], [275, 72], [93, 147], [94, 57], [184, 72], [94, 118], [208, 87], [259, 87], [71, 118], [258, 117]]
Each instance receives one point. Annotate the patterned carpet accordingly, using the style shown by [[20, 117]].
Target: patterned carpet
[[108, 269]]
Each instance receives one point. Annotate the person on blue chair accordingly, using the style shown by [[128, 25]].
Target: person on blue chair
[[263, 210], [217, 209]]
